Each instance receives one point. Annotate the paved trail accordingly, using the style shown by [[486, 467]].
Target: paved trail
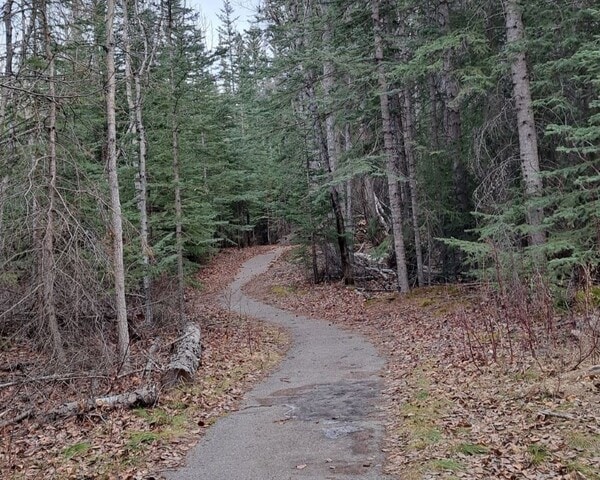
[[314, 418]]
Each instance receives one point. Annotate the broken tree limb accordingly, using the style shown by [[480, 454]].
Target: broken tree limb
[[142, 397], [17, 419], [550, 413], [185, 358]]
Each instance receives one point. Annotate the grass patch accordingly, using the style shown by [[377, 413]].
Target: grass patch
[[158, 417], [472, 449], [447, 464], [282, 290], [138, 439], [422, 395], [588, 472], [538, 453], [586, 442], [76, 449], [422, 414]]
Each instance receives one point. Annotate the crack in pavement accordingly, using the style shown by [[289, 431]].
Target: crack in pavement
[[326, 422]]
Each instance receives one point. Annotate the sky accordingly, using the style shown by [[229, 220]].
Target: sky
[[210, 9]]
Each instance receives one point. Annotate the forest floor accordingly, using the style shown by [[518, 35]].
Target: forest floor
[[461, 401], [465, 399], [135, 444]]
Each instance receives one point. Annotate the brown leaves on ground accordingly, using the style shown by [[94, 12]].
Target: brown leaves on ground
[[136, 444], [452, 414]]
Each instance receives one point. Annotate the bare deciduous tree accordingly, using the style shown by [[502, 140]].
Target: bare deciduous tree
[[113, 182]]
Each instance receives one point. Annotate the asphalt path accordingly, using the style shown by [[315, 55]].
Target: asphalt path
[[316, 417]]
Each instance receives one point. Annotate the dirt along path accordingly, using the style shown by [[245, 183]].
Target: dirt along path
[[316, 417]]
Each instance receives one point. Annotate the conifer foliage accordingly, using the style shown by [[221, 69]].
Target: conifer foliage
[[407, 141]]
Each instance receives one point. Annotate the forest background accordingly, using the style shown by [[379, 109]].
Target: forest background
[[401, 143]]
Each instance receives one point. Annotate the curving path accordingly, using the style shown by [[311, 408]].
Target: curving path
[[315, 417]]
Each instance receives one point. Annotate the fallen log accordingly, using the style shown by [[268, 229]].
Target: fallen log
[[142, 397], [185, 358]]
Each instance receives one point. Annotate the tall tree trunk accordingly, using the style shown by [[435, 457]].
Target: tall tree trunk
[[48, 266], [349, 193], [113, 183], [390, 152], [320, 140], [333, 151], [5, 99], [528, 146], [176, 172], [433, 112], [408, 127], [137, 129], [452, 121]]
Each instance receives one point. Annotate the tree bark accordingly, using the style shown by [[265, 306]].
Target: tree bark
[[176, 172], [528, 145], [408, 127], [136, 127], [185, 359], [48, 264], [113, 183], [5, 95], [334, 196], [333, 150], [391, 160], [348, 196], [142, 397], [452, 119]]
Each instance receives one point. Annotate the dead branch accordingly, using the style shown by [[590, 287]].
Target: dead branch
[[17, 419], [550, 413], [50, 378], [142, 397]]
